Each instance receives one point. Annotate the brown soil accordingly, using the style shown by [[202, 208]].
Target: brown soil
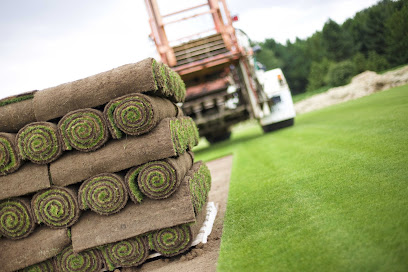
[[361, 85], [202, 257]]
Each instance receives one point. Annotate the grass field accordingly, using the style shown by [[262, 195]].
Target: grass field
[[329, 194]]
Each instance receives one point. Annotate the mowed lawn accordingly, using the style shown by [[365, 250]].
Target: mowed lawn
[[329, 194]]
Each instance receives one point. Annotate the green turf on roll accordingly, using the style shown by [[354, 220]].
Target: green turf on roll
[[131, 183], [126, 253], [104, 194], [56, 207], [85, 261], [46, 266], [39, 142], [84, 130], [16, 220], [9, 159], [171, 241]]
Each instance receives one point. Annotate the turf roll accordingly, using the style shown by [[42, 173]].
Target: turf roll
[[104, 194], [46, 266], [39, 142], [160, 179], [175, 240], [43, 244], [94, 230], [137, 114], [83, 130], [145, 76], [199, 180], [16, 219], [9, 158], [30, 178], [172, 241], [126, 253], [69, 261], [16, 112], [131, 183], [56, 207], [160, 143]]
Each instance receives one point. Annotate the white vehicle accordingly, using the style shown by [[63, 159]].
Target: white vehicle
[[279, 112]]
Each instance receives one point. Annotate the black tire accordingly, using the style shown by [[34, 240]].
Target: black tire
[[218, 137], [279, 125]]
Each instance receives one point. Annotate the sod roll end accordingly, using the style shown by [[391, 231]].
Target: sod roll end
[[104, 194], [9, 158], [16, 219], [56, 207], [84, 130], [39, 142]]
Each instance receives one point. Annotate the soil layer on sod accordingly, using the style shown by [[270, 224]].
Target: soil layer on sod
[[43, 244], [327, 194]]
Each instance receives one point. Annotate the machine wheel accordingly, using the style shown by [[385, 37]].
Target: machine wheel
[[219, 137], [279, 125]]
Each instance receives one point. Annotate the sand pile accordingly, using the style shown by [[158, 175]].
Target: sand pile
[[98, 173], [361, 85]]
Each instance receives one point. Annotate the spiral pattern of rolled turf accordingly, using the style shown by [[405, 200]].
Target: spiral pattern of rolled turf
[[46, 266], [56, 207], [39, 142], [16, 218], [9, 159], [157, 179], [126, 253], [136, 114], [83, 130], [172, 241], [89, 261], [104, 194]]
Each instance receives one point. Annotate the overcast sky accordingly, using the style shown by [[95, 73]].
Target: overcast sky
[[44, 43]]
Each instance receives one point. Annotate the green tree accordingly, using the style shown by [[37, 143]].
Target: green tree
[[318, 74], [337, 42], [397, 36], [376, 62], [340, 73]]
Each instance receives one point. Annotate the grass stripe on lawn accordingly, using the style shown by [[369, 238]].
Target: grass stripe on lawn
[[329, 194]]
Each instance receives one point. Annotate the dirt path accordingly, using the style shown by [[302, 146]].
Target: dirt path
[[203, 258], [361, 85]]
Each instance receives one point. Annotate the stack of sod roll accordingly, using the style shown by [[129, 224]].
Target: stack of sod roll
[[98, 173]]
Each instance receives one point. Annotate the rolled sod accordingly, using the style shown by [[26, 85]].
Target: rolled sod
[[89, 261], [199, 180], [126, 253], [162, 142], [160, 179], [137, 114], [16, 219], [9, 159], [43, 244], [16, 112], [131, 183], [56, 207], [144, 76], [46, 266], [83, 130], [39, 142], [93, 230], [29, 178], [104, 194], [177, 239]]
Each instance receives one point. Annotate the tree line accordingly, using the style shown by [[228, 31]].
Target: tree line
[[375, 39]]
